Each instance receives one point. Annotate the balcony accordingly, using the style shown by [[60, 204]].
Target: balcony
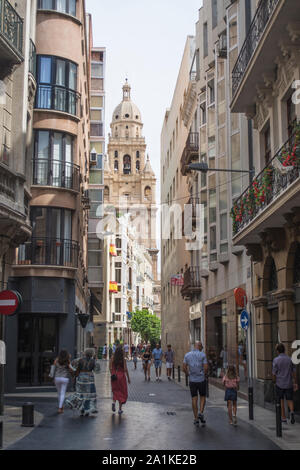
[[190, 100], [192, 283], [11, 38], [272, 195], [57, 98], [190, 153], [274, 20], [56, 174], [49, 252]]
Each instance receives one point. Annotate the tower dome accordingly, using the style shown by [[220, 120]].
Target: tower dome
[[126, 110]]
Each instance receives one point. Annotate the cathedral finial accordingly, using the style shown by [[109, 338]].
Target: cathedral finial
[[126, 91]]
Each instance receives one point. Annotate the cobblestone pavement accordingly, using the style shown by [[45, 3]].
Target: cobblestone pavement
[[156, 416]]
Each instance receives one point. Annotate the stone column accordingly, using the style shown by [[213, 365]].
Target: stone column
[[263, 339], [287, 317]]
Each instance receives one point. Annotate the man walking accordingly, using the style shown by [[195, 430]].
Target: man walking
[[157, 355], [170, 358], [196, 367], [284, 376]]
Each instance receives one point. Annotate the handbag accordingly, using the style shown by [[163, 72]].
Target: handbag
[[52, 371]]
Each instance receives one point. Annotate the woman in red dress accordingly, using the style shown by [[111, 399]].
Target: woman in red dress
[[118, 370]]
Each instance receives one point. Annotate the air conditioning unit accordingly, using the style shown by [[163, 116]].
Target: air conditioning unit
[[222, 46], [93, 157]]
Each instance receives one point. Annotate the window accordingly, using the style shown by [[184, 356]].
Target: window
[[53, 160], [205, 40], [96, 101], [96, 198], [94, 253], [57, 84], [267, 144], [137, 154], [97, 129], [138, 166], [97, 56], [291, 116], [211, 88], [214, 7], [63, 6], [118, 304], [97, 70], [116, 165], [127, 165]]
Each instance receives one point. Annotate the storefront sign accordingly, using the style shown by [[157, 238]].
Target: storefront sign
[[10, 301]]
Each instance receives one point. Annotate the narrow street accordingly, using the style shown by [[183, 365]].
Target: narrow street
[[157, 416]]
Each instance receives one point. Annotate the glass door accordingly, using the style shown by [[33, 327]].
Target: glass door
[[37, 349]]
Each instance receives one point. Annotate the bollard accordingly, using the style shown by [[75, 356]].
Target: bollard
[[28, 415], [173, 372], [179, 378], [278, 418], [186, 380], [1, 434], [251, 407]]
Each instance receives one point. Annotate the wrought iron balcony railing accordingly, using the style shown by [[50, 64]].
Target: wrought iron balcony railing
[[11, 25], [49, 252], [262, 16], [276, 177], [57, 98], [56, 173], [192, 282], [190, 152], [7, 184], [32, 59]]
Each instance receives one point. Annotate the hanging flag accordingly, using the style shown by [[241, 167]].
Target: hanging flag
[[112, 250], [113, 287]]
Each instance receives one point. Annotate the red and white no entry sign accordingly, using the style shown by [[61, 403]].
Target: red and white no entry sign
[[9, 302]]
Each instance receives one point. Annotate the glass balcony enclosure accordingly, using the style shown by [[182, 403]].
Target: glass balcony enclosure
[[62, 6], [57, 85]]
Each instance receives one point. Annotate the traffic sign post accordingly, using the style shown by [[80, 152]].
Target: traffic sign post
[[10, 302]]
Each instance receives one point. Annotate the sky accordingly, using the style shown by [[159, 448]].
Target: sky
[[145, 41]]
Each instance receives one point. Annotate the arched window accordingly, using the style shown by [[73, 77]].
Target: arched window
[[147, 192], [116, 165], [137, 154], [127, 165], [273, 281], [116, 154], [138, 165]]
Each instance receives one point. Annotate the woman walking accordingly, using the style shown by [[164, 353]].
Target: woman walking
[[147, 360], [118, 370], [62, 375], [231, 383], [85, 399]]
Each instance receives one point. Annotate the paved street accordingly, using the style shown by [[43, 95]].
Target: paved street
[[145, 423]]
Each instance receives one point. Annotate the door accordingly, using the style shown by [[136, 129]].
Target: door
[[37, 349]]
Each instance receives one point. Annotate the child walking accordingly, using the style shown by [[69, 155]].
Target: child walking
[[231, 383]]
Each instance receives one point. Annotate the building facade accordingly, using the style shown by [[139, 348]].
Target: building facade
[[174, 195], [17, 91], [50, 269], [266, 216], [96, 184]]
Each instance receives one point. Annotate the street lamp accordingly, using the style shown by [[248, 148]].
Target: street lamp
[[203, 168]]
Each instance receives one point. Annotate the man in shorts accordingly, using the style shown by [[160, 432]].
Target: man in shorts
[[196, 367], [284, 376], [170, 358], [157, 355]]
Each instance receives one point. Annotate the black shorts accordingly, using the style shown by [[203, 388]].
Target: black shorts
[[287, 393], [198, 387]]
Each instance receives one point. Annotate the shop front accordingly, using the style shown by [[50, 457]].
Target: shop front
[[45, 324]]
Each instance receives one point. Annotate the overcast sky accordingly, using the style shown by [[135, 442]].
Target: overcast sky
[[145, 40]]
